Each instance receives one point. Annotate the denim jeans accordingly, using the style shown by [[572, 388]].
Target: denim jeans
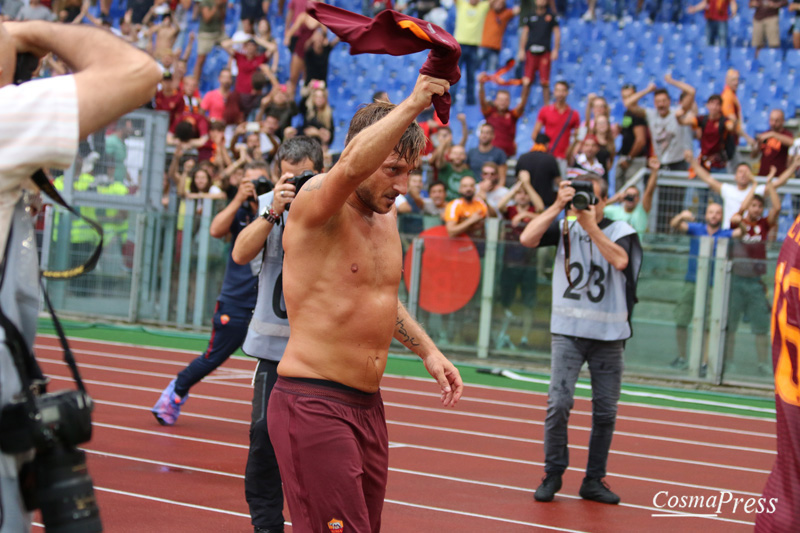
[[675, 11], [469, 62], [605, 366], [489, 60], [717, 33]]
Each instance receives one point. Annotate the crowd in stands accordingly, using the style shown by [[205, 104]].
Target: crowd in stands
[[235, 89]]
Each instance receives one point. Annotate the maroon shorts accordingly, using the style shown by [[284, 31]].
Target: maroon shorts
[[538, 63], [333, 452]]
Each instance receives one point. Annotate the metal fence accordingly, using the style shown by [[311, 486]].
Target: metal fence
[[160, 266]]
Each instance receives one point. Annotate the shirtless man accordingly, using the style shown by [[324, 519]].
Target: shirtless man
[[341, 273]]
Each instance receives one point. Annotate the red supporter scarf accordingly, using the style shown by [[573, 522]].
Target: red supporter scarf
[[396, 34], [497, 77]]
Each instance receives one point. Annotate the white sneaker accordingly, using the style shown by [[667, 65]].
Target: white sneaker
[[588, 17]]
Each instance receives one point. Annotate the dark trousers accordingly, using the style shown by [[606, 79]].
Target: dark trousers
[[262, 479], [228, 333], [605, 367], [469, 63]]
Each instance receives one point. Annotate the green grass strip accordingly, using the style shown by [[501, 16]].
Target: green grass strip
[[405, 365]]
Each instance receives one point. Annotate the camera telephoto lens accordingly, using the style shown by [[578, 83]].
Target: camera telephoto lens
[[580, 201], [64, 493]]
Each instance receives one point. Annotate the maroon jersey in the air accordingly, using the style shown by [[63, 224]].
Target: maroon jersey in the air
[[782, 492]]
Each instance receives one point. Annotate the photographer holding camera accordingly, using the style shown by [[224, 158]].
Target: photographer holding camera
[[299, 158], [42, 122], [594, 289], [235, 302]]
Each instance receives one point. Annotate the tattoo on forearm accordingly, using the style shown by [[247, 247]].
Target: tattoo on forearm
[[401, 329]]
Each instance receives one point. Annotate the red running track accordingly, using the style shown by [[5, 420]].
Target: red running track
[[469, 469]]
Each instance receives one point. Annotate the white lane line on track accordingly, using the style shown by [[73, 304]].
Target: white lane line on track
[[585, 428], [451, 412], [414, 378], [172, 502], [476, 415], [400, 445], [648, 457], [391, 469], [543, 408], [578, 398]]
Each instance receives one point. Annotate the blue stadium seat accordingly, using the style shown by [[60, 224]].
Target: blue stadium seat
[[792, 60], [769, 60], [742, 59]]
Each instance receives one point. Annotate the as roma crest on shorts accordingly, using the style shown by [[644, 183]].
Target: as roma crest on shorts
[[224, 319], [336, 526]]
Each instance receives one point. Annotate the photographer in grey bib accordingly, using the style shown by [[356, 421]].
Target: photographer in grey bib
[[594, 288], [298, 159]]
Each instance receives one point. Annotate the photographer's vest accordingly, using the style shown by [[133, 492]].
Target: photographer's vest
[[268, 332], [595, 306]]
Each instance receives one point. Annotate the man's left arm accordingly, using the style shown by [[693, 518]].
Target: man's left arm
[[613, 252], [413, 337]]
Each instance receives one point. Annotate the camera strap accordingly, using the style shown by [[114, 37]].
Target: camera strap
[[40, 179], [567, 249], [30, 373]]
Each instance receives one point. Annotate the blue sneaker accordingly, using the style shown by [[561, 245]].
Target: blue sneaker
[[167, 408]]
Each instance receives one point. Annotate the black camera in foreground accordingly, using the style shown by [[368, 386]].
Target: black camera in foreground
[[584, 194], [300, 180], [57, 480]]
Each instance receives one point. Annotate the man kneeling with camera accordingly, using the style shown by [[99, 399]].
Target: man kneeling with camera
[[594, 288]]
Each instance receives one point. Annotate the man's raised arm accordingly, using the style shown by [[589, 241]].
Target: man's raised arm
[[364, 154], [99, 60]]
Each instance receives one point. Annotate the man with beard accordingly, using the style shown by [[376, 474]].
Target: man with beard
[[465, 215], [684, 223], [486, 152], [500, 117], [342, 269], [451, 172], [773, 144]]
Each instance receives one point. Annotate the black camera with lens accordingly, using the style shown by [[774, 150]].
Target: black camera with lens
[[584, 194], [263, 185], [57, 481], [300, 180]]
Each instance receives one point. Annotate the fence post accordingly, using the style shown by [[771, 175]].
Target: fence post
[[487, 287], [202, 264], [699, 317], [719, 312], [417, 249], [138, 261], [185, 266]]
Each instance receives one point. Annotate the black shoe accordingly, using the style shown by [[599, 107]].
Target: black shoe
[[262, 530], [551, 483], [597, 490]]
